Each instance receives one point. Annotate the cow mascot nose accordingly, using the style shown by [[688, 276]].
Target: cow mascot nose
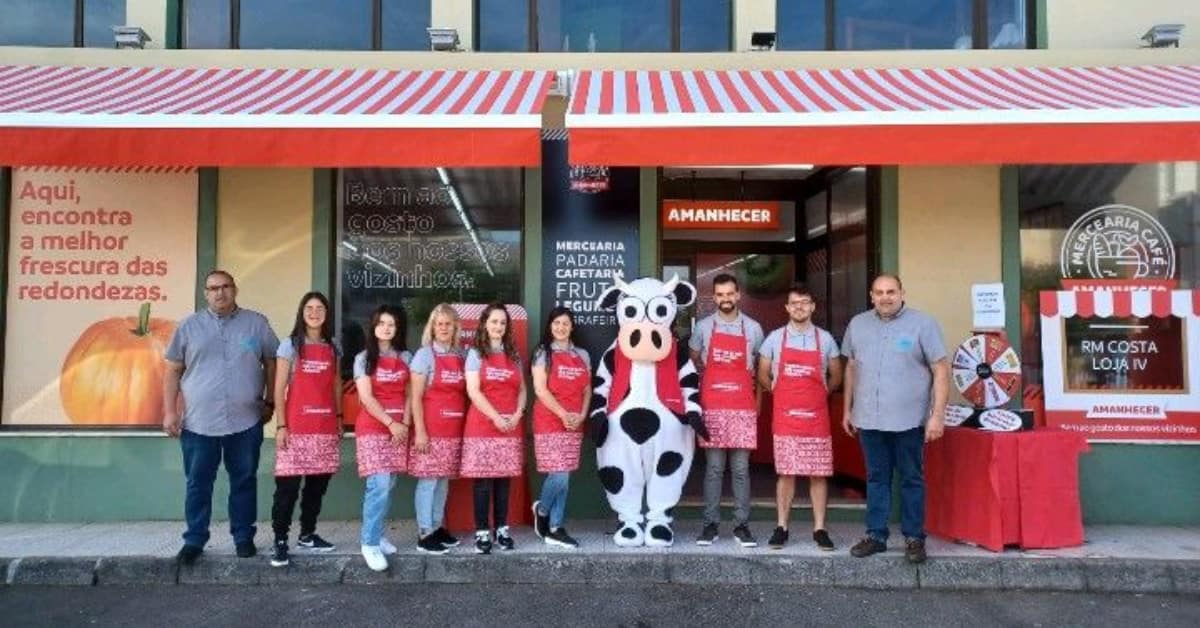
[[645, 413]]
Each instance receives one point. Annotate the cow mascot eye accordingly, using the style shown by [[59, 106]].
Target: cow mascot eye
[[645, 404]]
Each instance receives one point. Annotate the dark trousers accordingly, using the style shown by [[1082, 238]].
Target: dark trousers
[[201, 458], [895, 452], [494, 490], [287, 491]]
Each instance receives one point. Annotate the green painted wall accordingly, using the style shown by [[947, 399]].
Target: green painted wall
[[206, 230], [649, 264], [324, 232], [888, 230]]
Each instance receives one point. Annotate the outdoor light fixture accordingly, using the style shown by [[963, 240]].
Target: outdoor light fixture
[[762, 40], [443, 38], [1163, 35], [130, 36]]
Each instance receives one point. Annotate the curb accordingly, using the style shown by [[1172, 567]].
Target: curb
[[1096, 575]]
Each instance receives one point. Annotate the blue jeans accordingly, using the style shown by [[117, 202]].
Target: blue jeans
[[553, 500], [375, 506], [201, 458], [885, 453], [430, 502]]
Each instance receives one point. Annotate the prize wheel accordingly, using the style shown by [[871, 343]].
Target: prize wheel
[[987, 371]]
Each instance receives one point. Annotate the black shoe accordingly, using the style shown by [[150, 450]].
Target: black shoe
[[541, 523], [188, 554], [443, 536], [821, 537], [743, 536], [246, 549], [560, 538], [504, 539], [707, 535], [483, 542], [430, 545], [314, 543], [914, 551], [778, 539], [279, 557], [866, 547]]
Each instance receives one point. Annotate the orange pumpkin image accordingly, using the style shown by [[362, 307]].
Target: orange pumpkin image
[[113, 374]]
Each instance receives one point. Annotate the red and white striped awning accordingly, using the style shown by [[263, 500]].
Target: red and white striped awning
[[886, 116], [1120, 302], [129, 116]]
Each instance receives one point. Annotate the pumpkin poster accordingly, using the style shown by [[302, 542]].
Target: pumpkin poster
[[102, 264]]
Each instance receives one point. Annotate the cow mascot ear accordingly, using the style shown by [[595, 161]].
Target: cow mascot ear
[[610, 297], [684, 292]]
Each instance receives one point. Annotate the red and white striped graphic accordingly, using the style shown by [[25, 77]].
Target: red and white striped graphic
[[1122, 303], [890, 115], [60, 115]]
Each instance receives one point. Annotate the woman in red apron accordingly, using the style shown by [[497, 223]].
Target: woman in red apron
[[562, 385], [308, 425], [803, 444], [493, 451], [440, 385], [381, 429]]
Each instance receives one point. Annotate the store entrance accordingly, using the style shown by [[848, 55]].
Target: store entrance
[[769, 227]]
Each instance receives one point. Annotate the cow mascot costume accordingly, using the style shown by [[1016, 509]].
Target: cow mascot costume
[[645, 411]]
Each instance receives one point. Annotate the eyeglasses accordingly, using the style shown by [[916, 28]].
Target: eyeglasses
[[219, 287], [803, 303]]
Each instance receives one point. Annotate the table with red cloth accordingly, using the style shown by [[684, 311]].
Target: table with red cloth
[[1005, 488]]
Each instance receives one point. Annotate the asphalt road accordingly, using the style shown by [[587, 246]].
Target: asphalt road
[[507, 605]]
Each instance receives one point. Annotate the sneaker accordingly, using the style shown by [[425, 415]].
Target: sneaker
[[778, 539], [188, 554], [375, 558], [483, 542], [430, 545], [541, 523], [387, 547], [707, 535], [246, 549], [821, 537], [314, 543], [867, 546], [559, 537], [443, 536], [743, 536], [504, 539], [914, 551], [279, 557]]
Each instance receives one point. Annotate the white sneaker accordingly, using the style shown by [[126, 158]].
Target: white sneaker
[[375, 558], [386, 546]]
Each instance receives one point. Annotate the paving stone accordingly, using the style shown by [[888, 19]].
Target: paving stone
[[307, 570], [222, 569], [137, 570], [1043, 574], [960, 573], [1185, 574], [57, 571], [402, 569], [1128, 576], [873, 572]]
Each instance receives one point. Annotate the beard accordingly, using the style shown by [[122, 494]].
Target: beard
[[726, 307]]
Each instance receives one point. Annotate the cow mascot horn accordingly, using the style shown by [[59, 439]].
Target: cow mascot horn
[[645, 411]]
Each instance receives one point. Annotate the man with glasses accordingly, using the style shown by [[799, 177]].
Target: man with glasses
[[222, 360], [799, 363]]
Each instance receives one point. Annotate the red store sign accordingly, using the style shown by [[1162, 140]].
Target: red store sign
[[739, 215]]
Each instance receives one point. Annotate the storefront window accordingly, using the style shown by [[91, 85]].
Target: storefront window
[[1164, 198], [705, 25], [604, 25], [1006, 24], [502, 25], [836, 249], [420, 236], [310, 24], [900, 24], [54, 22], [404, 24], [800, 24], [206, 24]]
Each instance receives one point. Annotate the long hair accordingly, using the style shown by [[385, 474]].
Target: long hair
[[441, 309], [300, 328], [548, 336], [397, 314], [483, 344]]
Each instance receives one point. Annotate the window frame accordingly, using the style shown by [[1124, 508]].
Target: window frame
[[979, 24], [235, 26], [675, 18], [77, 28]]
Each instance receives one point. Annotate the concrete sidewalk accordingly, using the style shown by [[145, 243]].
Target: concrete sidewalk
[[1114, 559]]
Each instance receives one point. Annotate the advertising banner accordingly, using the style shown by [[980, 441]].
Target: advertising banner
[[102, 263], [724, 215]]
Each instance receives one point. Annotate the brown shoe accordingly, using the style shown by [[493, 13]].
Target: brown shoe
[[914, 551], [866, 547]]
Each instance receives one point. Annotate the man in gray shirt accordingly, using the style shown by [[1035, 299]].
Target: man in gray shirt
[[896, 386], [224, 357], [725, 347]]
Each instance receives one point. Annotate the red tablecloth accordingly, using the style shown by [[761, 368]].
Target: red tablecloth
[[995, 489]]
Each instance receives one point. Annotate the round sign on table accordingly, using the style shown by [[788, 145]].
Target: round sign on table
[[986, 370]]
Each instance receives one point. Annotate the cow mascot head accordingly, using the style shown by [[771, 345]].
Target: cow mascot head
[[645, 410]]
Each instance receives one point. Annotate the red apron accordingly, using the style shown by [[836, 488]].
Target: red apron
[[487, 452], [445, 406], [727, 394], [372, 441], [800, 413], [556, 447], [310, 415]]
